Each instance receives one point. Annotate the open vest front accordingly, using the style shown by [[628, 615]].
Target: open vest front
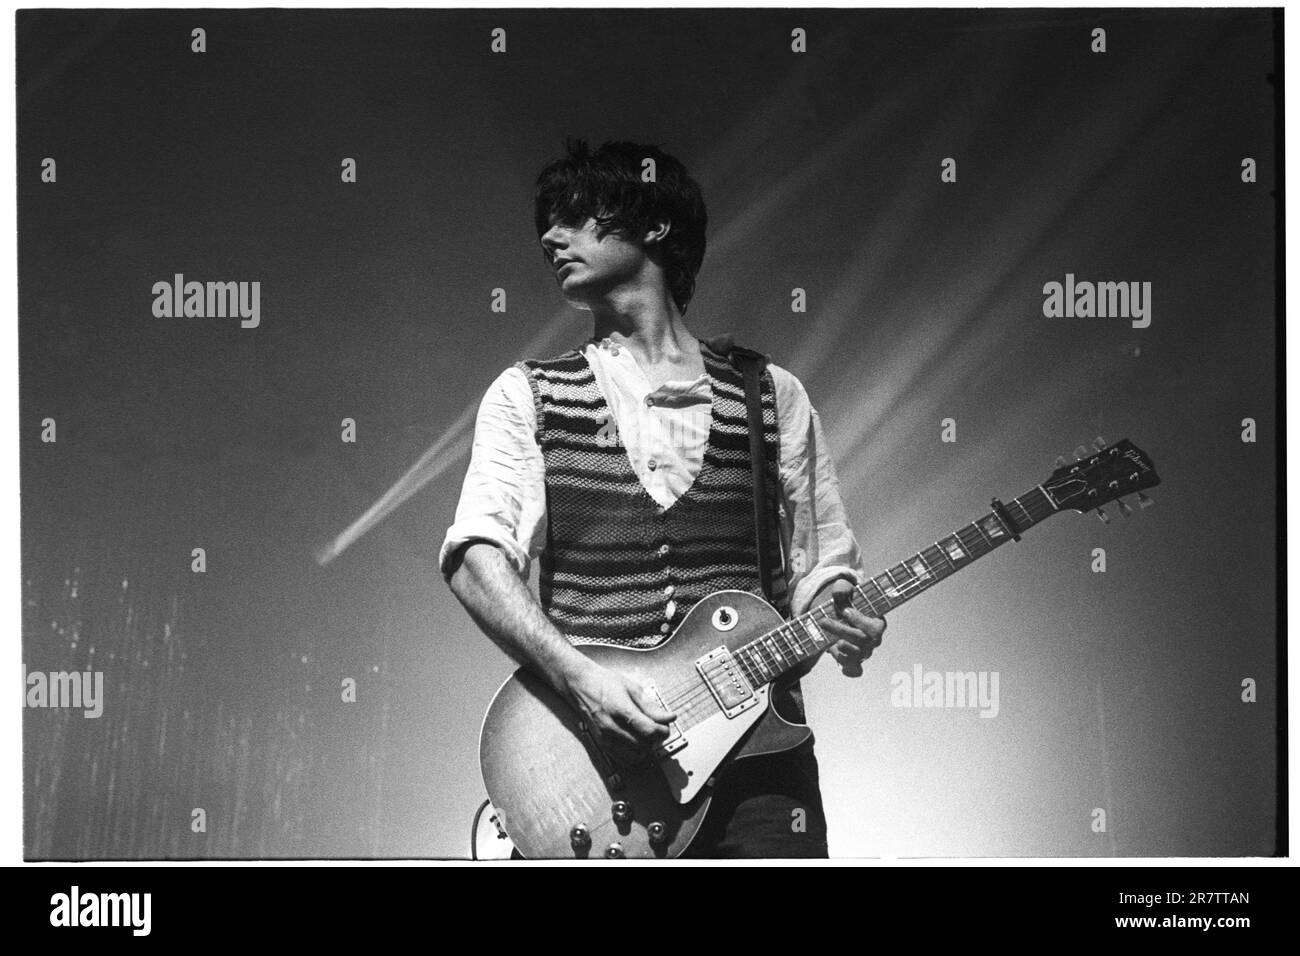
[[617, 568]]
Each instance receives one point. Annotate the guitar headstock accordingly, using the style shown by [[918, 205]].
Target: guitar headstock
[[1099, 477]]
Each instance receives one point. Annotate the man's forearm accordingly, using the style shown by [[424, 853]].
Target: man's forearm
[[502, 606]]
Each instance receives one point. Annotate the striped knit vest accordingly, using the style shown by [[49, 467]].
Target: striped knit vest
[[617, 568]]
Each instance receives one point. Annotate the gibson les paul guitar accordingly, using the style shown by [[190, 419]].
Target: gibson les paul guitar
[[557, 794]]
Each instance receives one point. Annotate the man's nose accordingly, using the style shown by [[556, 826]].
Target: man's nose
[[554, 239]]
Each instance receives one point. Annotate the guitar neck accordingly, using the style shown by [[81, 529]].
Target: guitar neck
[[802, 638]]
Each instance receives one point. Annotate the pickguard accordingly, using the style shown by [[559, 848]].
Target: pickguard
[[707, 745]]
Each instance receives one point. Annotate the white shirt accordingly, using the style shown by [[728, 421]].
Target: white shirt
[[664, 431]]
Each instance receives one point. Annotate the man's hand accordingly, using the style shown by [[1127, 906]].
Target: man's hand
[[858, 634], [627, 723]]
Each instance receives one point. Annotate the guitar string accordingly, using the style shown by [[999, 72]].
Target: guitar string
[[903, 591], [686, 696], [697, 691], [685, 699], [696, 688]]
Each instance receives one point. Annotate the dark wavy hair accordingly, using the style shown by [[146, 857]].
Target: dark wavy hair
[[606, 185]]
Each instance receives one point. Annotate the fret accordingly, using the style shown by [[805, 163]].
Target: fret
[[947, 567], [936, 566], [756, 650], [913, 584], [871, 602], [789, 640], [1050, 500], [1042, 504], [898, 592], [884, 605], [745, 657], [775, 648], [903, 577], [955, 549], [800, 626], [890, 591], [965, 548], [920, 570], [793, 645], [975, 541], [770, 656], [853, 598], [976, 526], [785, 645], [994, 527], [818, 638], [1016, 501]]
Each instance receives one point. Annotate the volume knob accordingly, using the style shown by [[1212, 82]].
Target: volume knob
[[657, 832], [579, 838], [614, 851], [621, 811]]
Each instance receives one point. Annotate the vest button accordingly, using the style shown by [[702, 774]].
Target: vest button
[[649, 400], [668, 589], [652, 464], [664, 629], [663, 550]]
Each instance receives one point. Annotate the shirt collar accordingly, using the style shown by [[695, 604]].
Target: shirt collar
[[619, 362]]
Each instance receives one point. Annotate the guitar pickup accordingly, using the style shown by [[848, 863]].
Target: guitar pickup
[[730, 688], [676, 739]]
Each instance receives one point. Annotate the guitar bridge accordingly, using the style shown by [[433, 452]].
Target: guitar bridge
[[676, 739], [729, 687]]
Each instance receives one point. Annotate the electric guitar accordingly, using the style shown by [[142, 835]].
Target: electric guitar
[[556, 794]]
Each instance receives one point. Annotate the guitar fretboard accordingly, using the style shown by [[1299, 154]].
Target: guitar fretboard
[[768, 657]]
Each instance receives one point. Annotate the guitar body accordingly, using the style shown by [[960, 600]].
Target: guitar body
[[546, 775]]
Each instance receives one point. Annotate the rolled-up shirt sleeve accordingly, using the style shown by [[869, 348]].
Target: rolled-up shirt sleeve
[[820, 545], [503, 498]]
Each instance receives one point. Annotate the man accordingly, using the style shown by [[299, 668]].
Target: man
[[625, 467]]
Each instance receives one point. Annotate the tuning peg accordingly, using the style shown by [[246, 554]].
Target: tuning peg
[[1124, 509], [1060, 461], [1105, 518], [1099, 443], [1144, 502], [1080, 453]]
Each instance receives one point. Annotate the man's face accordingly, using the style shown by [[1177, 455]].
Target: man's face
[[588, 266]]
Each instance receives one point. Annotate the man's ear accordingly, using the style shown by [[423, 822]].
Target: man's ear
[[658, 233]]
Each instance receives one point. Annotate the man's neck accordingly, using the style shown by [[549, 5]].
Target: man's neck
[[651, 327]]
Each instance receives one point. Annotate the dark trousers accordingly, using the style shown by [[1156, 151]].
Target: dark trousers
[[765, 807]]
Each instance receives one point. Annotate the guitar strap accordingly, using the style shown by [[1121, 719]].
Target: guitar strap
[[752, 365]]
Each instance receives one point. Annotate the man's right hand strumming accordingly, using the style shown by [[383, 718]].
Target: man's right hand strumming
[[627, 722]]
